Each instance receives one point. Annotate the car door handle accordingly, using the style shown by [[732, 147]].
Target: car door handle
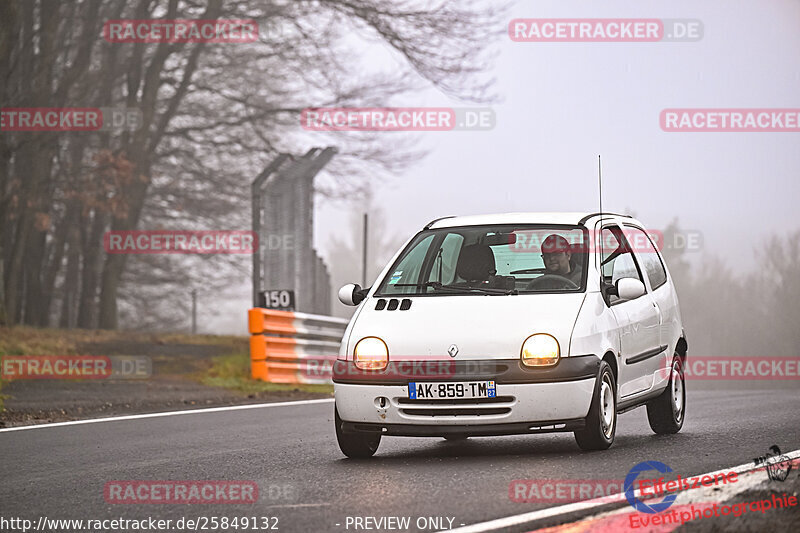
[[659, 313]]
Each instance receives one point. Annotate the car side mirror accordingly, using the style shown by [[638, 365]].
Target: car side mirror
[[629, 288], [352, 294]]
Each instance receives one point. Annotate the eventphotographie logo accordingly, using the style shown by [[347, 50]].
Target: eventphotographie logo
[[778, 465], [630, 481]]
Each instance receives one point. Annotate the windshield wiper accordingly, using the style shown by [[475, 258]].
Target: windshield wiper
[[435, 285]]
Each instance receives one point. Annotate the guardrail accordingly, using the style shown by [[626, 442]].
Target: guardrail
[[289, 347]]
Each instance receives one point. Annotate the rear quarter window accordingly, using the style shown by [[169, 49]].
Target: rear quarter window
[[650, 259]]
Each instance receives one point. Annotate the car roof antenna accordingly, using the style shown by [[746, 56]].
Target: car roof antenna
[[600, 194]]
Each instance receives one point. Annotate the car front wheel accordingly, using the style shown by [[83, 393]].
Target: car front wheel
[[355, 444], [665, 413], [601, 424]]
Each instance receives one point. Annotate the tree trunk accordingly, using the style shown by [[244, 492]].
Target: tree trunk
[[89, 276], [71, 279], [57, 255], [34, 257]]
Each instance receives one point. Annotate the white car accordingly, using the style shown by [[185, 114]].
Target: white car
[[509, 324]]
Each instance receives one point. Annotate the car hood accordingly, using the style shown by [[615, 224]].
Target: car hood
[[481, 326]]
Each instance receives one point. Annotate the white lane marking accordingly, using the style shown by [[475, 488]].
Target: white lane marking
[[293, 505], [524, 518], [167, 413]]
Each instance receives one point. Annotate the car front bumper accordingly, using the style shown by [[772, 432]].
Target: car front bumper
[[527, 401]]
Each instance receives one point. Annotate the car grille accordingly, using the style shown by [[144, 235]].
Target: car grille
[[468, 407]]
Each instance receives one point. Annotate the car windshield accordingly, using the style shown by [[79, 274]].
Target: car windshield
[[500, 260]]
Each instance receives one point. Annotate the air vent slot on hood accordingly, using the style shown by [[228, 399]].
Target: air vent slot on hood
[[404, 304]]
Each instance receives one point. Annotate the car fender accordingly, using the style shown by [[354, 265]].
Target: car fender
[[344, 347], [596, 330]]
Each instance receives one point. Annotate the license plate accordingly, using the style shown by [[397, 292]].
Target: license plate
[[418, 390]]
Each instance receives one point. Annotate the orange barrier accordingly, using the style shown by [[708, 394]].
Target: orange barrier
[[289, 347]]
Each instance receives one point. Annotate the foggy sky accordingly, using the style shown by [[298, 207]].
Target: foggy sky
[[564, 103]]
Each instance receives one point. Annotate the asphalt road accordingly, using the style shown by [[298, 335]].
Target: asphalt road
[[290, 451]]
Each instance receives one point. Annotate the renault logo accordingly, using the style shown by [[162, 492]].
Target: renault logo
[[453, 350]]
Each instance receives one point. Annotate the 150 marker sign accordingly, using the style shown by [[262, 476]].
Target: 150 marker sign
[[277, 299]]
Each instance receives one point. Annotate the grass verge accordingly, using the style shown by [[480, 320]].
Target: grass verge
[[229, 370], [32, 341], [233, 372], [25, 340]]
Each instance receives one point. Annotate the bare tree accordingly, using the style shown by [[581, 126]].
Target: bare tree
[[212, 115]]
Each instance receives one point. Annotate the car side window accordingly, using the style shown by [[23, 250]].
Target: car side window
[[623, 267], [651, 261], [617, 259], [444, 267], [407, 271]]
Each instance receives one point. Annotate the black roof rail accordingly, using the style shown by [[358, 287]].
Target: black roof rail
[[590, 215], [432, 222]]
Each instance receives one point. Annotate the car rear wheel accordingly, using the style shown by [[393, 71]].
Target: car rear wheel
[[355, 444], [665, 414], [601, 423]]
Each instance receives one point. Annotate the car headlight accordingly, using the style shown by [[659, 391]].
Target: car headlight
[[371, 353], [540, 349]]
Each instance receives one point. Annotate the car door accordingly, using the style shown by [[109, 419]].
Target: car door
[[638, 320], [653, 269]]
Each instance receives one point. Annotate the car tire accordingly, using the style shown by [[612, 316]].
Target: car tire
[[355, 444], [667, 412], [601, 423]]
